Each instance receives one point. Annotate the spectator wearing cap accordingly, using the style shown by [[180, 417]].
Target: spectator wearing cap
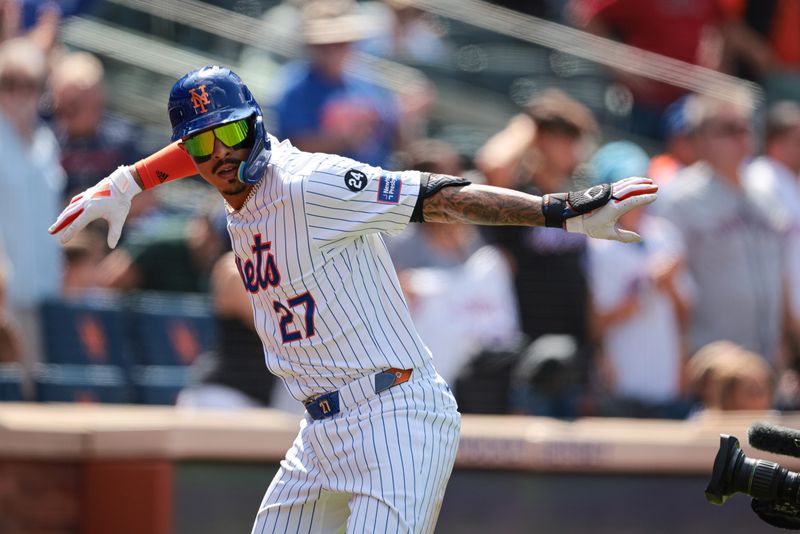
[[641, 296], [679, 147], [322, 107], [735, 246]]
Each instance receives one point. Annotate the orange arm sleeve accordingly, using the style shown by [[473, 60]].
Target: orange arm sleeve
[[169, 163]]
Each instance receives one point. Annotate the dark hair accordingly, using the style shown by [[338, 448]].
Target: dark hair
[[556, 112]]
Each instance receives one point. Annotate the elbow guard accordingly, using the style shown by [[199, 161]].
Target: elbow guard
[[431, 184]]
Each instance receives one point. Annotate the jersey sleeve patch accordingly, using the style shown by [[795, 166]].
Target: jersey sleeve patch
[[389, 187], [355, 180]]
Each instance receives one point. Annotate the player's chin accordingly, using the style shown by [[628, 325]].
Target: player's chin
[[233, 187]]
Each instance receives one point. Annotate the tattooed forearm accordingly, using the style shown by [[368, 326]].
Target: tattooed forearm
[[483, 204]]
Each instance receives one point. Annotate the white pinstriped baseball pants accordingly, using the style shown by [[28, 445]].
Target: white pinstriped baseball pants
[[378, 466]]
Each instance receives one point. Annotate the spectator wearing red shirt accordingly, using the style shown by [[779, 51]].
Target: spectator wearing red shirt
[[688, 30], [766, 45]]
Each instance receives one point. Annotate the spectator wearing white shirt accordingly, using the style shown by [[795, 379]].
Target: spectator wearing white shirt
[[641, 296]]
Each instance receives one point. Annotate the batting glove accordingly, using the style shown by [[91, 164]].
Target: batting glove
[[595, 211], [109, 199]]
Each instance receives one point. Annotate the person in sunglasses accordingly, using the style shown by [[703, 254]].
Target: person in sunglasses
[[380, 432], [735, 252]]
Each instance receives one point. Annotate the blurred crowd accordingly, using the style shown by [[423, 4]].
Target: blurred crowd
[[703, 314]]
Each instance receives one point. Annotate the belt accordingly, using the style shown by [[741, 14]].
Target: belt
[[328, 404]]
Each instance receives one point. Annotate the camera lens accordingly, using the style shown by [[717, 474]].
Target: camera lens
[[735, 472]]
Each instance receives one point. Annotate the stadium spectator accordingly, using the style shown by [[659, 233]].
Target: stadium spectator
[[640, 298], [691, 31], [404, 33], [37, 20], [773, 179], [727, 377], [735, 247], [433, 245], [767, 45], [231, 376], [93, 141], [82, 260], [537, 153], [173, 254], [679, 146], [323, 108], [31, 181], [459, 290]]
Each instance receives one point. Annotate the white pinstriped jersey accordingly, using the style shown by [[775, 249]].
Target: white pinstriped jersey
[[326, 300]]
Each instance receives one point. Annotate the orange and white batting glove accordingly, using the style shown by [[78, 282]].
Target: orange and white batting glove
[[109, 199], [595, 211]]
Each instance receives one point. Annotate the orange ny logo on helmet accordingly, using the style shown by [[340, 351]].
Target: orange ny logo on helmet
[[199, 100]]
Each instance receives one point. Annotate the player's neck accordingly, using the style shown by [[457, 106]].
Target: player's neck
[[237, 200]]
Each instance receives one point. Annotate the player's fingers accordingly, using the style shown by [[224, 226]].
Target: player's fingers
[[79, 223], [629, 188], [114, 231], [66, 217], [626, 236], [635, 201]]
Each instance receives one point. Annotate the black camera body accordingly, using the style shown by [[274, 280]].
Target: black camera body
[[775, 490]]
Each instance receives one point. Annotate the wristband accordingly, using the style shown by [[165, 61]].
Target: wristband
[[168, 164], [558, 207]]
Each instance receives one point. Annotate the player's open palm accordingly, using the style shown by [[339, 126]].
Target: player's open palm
[[623, 196], [110, 199]]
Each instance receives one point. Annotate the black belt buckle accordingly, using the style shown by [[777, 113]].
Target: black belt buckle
[[324, 406]]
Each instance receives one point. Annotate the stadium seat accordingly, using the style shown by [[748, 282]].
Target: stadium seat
[[10, 382], [167, 334], [87, 358], [89, 331]]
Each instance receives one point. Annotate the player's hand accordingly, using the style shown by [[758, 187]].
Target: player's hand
[[625, 195], [110, 199]]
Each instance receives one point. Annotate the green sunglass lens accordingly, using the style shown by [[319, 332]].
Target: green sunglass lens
[[201, 144], [230, 134]]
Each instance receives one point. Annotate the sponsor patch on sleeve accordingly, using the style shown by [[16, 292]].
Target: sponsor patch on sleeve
[[389, 188]]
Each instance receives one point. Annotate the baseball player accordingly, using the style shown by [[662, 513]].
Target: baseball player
[[380, 432]]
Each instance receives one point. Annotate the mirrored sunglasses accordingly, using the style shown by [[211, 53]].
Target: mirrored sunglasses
[[230, 135]]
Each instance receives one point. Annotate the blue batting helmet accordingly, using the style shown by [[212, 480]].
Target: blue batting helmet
[[214, 95]]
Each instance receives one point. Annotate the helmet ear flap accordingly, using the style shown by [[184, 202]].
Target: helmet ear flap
[[252, 170]]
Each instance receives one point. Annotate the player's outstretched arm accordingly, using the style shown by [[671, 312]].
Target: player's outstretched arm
[[110, 199], [592, 211]]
